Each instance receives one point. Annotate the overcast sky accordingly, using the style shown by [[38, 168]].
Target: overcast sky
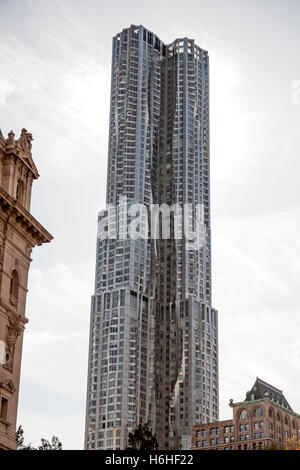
[[55, 60]]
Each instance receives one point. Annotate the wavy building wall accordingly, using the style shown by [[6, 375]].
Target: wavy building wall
[[153, 354]]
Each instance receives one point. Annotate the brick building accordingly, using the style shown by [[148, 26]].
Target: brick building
[[19, 233], [265, 418]]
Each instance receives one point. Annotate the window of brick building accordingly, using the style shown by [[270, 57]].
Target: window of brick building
[[244, 414], [258, 412], [14, 285], [286, 421], [4, 408]]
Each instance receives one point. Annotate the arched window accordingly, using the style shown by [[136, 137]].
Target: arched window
[[14, 287], [258, 412], [244, 414], [20, 192], [294, 424], [278, 417], [271, 413], [286, 421]]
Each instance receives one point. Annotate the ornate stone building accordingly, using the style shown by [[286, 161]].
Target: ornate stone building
[[19, 233], [264, 419]]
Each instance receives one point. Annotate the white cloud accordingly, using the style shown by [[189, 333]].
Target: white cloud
[[54, 371], [256, 271]]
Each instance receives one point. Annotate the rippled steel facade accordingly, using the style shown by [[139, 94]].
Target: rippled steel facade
[[153, 354]]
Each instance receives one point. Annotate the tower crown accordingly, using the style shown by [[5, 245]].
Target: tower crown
[[17, 168]]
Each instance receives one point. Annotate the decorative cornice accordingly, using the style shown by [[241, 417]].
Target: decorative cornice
[[13, 315], [15, 210], [260, 400]]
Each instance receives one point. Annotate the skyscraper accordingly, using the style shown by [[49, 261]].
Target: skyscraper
[[153, 354]]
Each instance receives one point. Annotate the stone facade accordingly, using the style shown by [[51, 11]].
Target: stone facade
[[19, 233], [262, 420]]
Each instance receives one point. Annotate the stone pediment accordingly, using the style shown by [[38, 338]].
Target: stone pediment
[[24, 145], [8, 385]]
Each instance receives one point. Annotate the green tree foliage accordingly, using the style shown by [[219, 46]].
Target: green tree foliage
[[292, 444], [271, 447], [142, 438], [54, 444]]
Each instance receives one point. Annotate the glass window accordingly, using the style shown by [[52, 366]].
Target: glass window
[[244, 414], [258, 412]]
